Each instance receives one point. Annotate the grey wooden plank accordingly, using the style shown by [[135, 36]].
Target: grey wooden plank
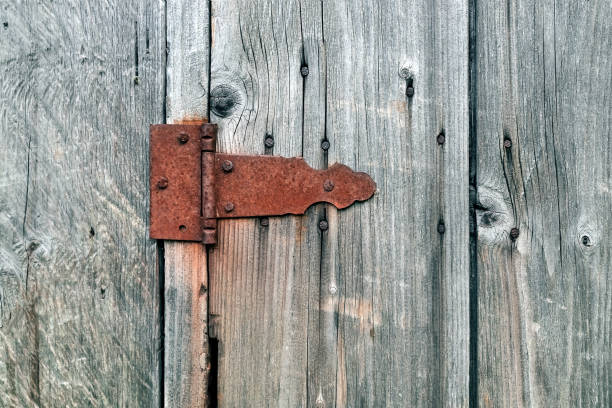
[[543, 79], [403, 286], [374, 312], [79, 321], [259, 274], [186, 345]]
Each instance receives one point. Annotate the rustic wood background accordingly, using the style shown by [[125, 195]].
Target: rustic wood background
[[474, 117]]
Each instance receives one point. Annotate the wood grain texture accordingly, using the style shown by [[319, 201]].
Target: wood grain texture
[[402, 285], [260, 274], [373, 312], [543, 82], [186, 345], [186, 351], [80, 81]]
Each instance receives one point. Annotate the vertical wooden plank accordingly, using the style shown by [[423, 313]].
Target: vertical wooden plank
[[543, 80], [402, 259], [260, 273], [79, 298], [186, 347], [374, 311]]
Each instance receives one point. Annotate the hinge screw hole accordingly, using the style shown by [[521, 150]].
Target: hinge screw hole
[[182, 228], [162, 183], [183, 138], [227, 166], [328, 185]]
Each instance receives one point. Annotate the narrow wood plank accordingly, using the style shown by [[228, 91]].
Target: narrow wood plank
[[79, 294], [186, 346], [373, 312], [403, 282], [543, 83], [186, 349]]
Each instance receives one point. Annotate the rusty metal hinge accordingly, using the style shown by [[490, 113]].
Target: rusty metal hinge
[[192, 185]]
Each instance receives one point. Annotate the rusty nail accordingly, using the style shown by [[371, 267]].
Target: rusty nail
[[507, 143], [325, 145], [323, 225], [304, 71], [441, 228], [162, 183], [269, 141], [410, 91], [229, 207], [264, 221], [514, 233], [328, 185], [227, 166], [441, 138], [183, 138]]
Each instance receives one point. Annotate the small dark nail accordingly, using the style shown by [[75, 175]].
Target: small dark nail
[[410, 91], [304, 71], [507, 143], [229, 207], [162, 183], [441, 228], [269, 141], [514, 233], [227, 166], [325, 145], [328, 185], [264, 222], [441, 139], [183, 138], [323, 225]]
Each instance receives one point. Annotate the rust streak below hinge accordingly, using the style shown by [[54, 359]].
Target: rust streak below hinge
[[192, 186]]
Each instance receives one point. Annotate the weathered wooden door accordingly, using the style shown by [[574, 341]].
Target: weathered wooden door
[[478, 274]]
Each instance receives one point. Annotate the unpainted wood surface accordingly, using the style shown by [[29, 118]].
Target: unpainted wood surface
[[186, 346], [79, 299], [543, 79], [374, 311]]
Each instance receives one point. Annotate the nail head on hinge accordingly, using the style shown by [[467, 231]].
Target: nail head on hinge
[[328, 185], [323, 225], [229, 207], [183, 138], [325, 145], [514, 233], [162, 183], [227, 166], [269, 141]]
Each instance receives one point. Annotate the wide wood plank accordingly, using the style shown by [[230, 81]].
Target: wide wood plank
[[260, 273], [543, 79], [373, 311], [402, 259], [80, 82], [186, 347]]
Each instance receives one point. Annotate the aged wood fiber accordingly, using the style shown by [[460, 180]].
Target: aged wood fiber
[[373, 311], [543, 82], [186, 348], [79, 322]]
